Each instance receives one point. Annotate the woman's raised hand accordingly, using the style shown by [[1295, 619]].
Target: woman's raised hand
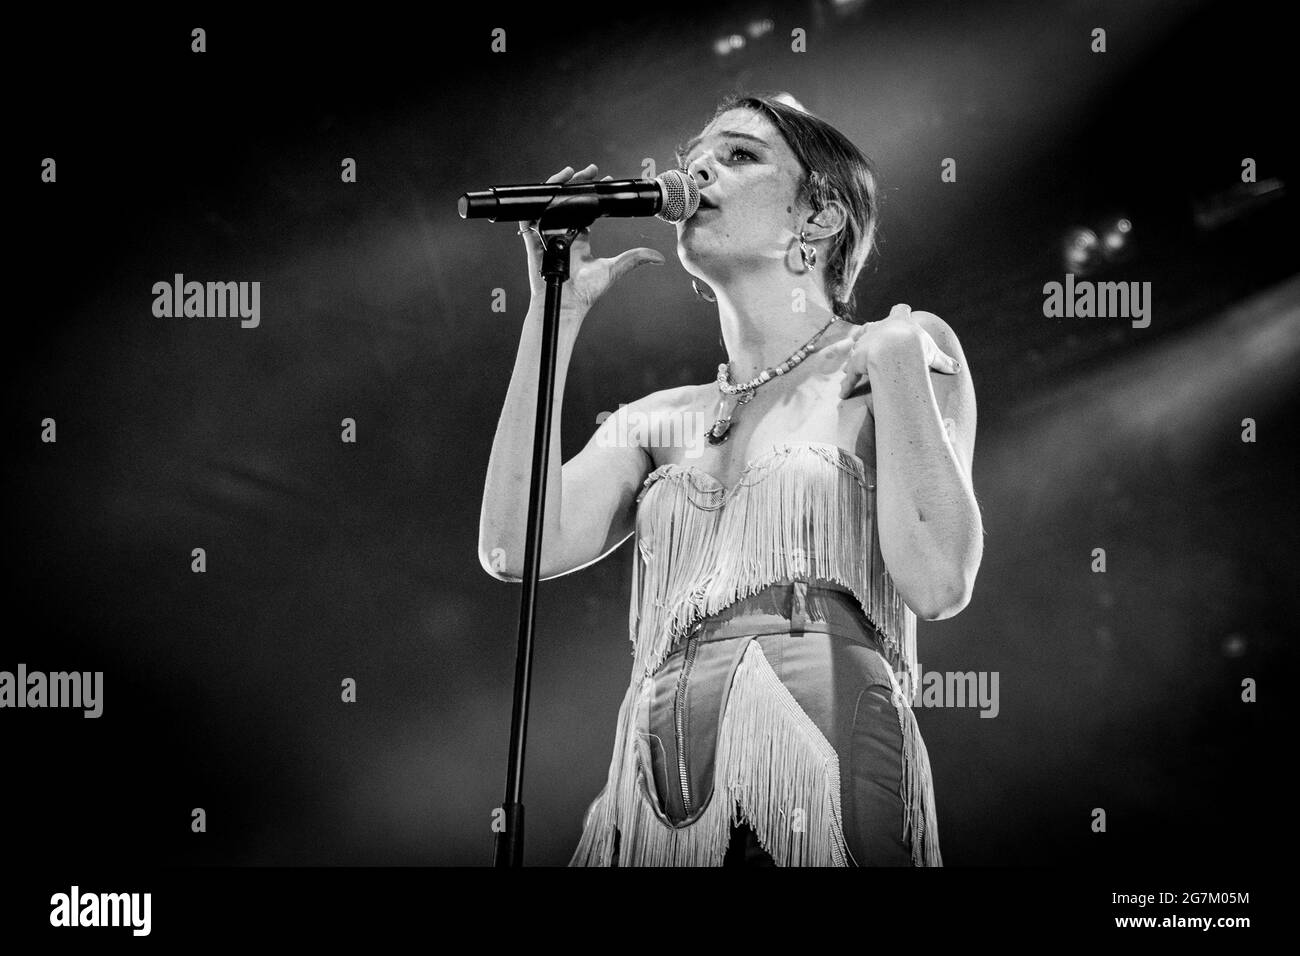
[[873, 339], [589, 276]]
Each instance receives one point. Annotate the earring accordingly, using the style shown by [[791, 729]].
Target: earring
[[702, 295], [809, 253]]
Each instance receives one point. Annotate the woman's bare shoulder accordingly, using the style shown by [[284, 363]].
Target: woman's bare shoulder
[[669, 418], [674, 400]]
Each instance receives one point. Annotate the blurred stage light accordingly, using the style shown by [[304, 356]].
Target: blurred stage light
[[1082, 251], [1085, 250], [1116, 240], [1234, 645], [846, 7], [724, 45], [759, 28], [1211, 212], [1116, 237]]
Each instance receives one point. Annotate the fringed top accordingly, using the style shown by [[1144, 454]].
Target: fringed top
[[800, 511]]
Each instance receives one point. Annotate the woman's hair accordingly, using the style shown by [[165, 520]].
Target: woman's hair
[[832, 168]]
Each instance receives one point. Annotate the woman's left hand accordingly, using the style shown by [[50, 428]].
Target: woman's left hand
[[873, 339]]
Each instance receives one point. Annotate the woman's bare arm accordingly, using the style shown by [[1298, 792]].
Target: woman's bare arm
[[590, 499], [931, 531]]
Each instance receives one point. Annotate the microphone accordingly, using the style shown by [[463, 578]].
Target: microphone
[[673, 196]]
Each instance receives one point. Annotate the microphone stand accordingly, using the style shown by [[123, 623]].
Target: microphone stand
[[559, 226]]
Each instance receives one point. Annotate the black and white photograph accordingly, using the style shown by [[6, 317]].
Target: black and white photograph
[[836, 434]]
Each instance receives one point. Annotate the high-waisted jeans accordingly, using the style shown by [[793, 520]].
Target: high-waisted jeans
[[833, 667]]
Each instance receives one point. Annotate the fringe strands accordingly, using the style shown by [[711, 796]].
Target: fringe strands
[[700, 547]]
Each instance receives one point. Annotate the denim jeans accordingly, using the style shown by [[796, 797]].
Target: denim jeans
[[837, 674]]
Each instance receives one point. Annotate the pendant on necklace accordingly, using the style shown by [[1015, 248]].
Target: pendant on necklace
[[718, 433]]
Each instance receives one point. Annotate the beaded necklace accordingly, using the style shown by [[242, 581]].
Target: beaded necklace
[[744, 391]]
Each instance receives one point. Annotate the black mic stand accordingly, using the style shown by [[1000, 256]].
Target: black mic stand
[[558, 226]]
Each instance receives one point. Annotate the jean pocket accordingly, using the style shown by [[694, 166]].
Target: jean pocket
[[650, 756], [875, 811]]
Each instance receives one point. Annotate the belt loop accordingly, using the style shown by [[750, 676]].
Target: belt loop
[[798, 606]]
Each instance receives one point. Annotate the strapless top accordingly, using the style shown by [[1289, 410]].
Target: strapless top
[[799, 511]]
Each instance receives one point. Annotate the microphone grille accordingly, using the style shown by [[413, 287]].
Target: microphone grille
[[681, 196]]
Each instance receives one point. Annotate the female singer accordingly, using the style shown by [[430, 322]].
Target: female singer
[[778, 575]]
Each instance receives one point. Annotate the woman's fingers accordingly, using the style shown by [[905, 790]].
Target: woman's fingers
[[526, 227], [943, 362], [625, 262], [584, 236], [567, 174], [852, 382], [856, 376]]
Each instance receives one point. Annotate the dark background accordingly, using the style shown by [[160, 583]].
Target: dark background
[[327, 560]]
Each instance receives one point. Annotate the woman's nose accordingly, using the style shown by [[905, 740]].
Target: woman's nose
[[701, 172]]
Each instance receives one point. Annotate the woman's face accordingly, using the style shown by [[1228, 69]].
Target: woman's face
[[750, 176]]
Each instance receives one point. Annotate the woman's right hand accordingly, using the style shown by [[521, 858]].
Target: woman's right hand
[[589, 276]]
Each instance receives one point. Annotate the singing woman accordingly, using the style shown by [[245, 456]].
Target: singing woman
[[815, 500]]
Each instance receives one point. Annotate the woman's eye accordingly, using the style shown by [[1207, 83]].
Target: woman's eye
[[731, 154]]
